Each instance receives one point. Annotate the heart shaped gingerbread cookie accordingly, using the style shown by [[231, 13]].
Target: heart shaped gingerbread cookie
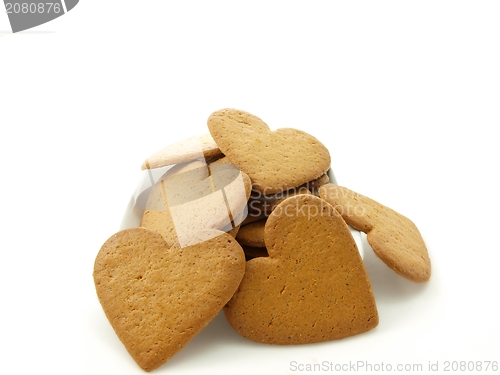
[[312, 287], [274, 160], [157, 298], [393, 237]]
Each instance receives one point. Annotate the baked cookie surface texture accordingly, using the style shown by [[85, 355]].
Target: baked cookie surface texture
[[312, 287], [393, 237], [274, 160], [158, 298]]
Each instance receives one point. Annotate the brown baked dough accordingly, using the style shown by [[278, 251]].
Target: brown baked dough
[[393, 237], [312, 287], [157, 299]]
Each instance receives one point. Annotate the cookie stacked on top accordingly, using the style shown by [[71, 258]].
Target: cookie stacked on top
[[247, 222]]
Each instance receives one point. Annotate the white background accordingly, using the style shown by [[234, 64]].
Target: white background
[[406, 96]]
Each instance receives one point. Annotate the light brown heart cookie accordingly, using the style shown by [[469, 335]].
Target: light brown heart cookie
[[312, 287], [188, 198], [393, 237], [157, 299], [197, 147], [274, 160]]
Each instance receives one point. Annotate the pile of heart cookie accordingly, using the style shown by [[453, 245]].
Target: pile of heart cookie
[[246, 221]]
